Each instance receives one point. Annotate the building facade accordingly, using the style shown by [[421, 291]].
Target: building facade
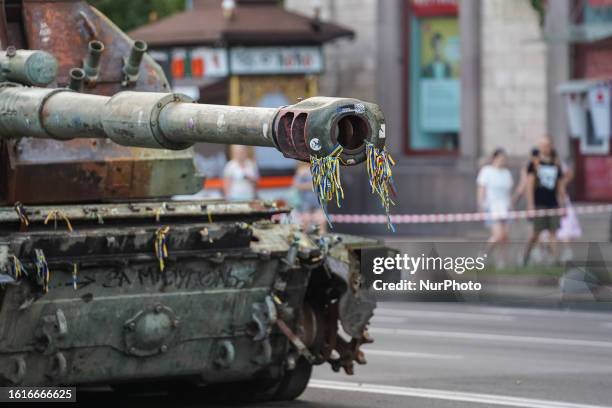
[[457, 79], [590, 37]]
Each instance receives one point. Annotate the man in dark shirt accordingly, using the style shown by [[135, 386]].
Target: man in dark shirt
[[545, 190]]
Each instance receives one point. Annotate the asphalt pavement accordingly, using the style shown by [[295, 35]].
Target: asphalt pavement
[[456, 355]]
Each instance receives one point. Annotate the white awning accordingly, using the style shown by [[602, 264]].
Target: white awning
[[579, 85], [581, 33]]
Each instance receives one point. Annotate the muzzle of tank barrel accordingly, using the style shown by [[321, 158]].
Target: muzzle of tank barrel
[[317, 126]]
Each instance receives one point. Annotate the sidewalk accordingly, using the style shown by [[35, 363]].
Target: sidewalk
[[522, 287], [516, 293], [595, 228]]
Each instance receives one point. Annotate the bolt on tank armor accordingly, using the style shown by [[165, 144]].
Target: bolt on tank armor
[[104, 280]]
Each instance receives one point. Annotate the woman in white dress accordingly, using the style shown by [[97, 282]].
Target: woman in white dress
[[495, 196], [240, 175]]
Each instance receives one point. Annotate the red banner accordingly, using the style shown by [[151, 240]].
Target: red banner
[[431, 8]]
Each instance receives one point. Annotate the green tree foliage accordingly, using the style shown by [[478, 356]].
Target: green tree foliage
[[133, 13], [540, 8]]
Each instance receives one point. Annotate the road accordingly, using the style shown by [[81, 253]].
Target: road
[[455, 355], [434, 355]]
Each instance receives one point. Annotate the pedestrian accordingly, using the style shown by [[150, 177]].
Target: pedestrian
[[545, 190], [305, 200], [240, 174], [494, 197]]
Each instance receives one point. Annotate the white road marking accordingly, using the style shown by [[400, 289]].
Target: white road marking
[[500, 310], [409, 354], [429, 314], [386, 319], [493, 337], [459, 396], [549, 313]]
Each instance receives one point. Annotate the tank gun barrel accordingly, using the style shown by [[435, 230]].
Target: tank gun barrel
[[29, 67], [314, 126]]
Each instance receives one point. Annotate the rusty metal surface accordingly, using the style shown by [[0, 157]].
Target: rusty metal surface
[[65, 28], [84, 169], [14, 28], [48, 171]]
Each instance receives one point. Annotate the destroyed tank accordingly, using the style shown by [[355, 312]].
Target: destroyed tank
[[104, 279]]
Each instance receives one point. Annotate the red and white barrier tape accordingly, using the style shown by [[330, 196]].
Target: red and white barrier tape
[[464, 217]]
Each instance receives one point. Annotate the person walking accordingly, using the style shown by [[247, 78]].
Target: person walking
[[545, 191], [306, 204], [240, 174], [495, 196]]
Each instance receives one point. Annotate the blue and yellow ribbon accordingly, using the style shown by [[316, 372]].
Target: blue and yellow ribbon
[[379, 165], [55, 215], [326, 182], [17, 269], [22, 214], [161, 247], [42, 270], [75, 276]]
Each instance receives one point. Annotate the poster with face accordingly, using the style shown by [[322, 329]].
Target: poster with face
[[439, 75], [440, 48]]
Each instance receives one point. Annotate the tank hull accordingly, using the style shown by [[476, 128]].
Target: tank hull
[[112, 314]]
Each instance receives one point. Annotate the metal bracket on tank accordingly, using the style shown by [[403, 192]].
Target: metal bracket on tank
[[13, 369], [57, 366], [225, 354], [264, 316], [50, 330]]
